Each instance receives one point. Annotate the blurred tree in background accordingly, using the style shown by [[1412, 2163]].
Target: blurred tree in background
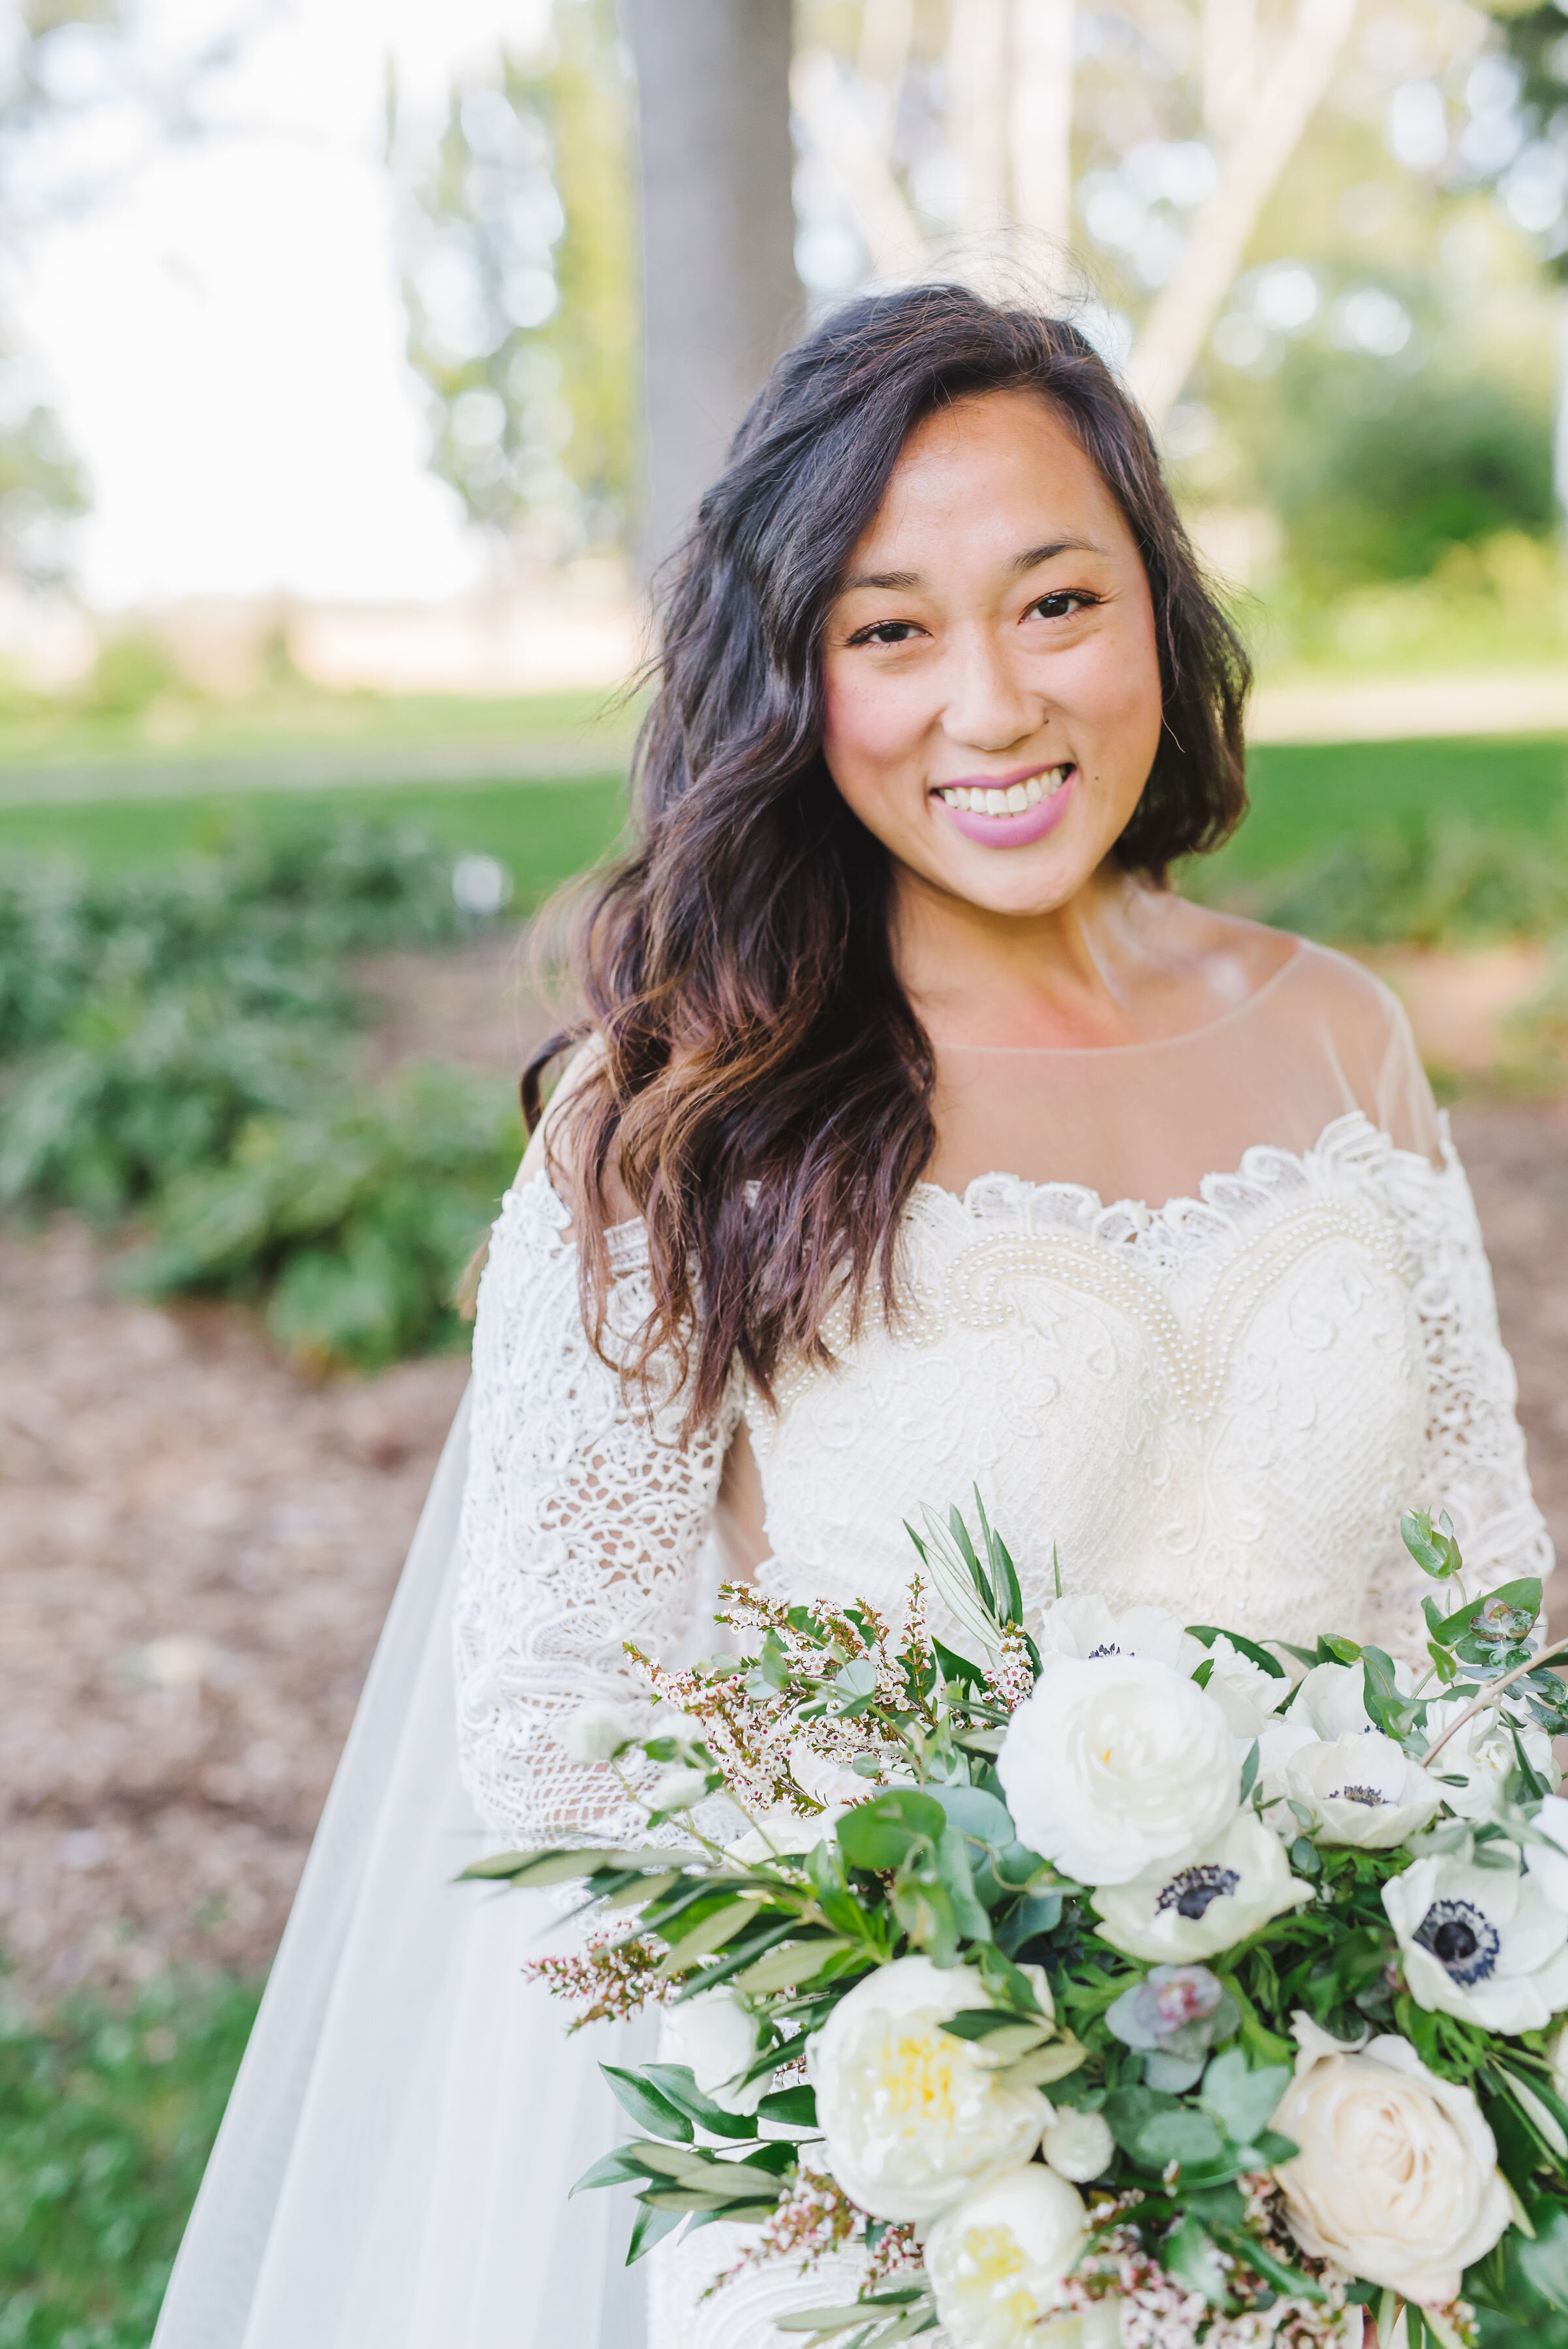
[[521, 292]]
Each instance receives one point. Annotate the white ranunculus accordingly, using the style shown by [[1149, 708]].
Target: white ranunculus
[[1174, 1916], [596, 1733], [1483, 1943], [1362, 1789], [1086, 1628], [912, 2118], [1113, 1766], [1330, 1699], [998, 2258], [1481, 1756], [716, 2035], [1247, 1696], [1396, 2174], [1079, 2146]]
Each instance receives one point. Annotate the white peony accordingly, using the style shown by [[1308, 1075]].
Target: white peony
[[596, 1733], [1174, 1916], [1396, 2174], [997, 2261], [1086, 1628], [1116, 1765], [1363, 1789], [911, 2117], [715, 2034], [1483, 1943], [1079, 2146], [1247, 1696], [1481, 1756]]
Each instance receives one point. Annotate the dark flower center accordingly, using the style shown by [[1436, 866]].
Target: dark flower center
[[1108, 1649], [1463, 1939], [1190, 1892], [1368, 1795]]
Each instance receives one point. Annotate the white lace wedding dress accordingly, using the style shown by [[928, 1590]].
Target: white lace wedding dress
[[1221, 1405]]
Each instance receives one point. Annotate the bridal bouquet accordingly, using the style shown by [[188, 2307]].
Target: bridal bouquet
[[1117, 1981]]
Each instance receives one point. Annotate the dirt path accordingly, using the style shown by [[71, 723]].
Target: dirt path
[[197, 1547]]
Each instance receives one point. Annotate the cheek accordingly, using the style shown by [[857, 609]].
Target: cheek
[[869, 723]]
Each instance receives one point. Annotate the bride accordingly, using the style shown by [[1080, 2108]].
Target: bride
[[919, 1134]]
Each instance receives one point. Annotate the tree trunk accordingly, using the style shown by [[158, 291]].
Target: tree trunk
[[720, 299]]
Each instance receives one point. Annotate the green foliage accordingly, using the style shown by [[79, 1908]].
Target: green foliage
[[521, 288], [1376, 474], [105, 2120], [1421, 885], [178, 1046], [352, 1216]]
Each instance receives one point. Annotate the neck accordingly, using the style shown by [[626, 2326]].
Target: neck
[[1078, 974]]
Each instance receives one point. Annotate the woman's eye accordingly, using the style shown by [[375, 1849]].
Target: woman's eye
[[1062, 604], [886, 632]]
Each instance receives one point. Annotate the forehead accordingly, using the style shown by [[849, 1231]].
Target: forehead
[[1001, 464]]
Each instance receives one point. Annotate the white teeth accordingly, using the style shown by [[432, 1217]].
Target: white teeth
[[1017, 798], [1014, 800], [952, 799], [1033, 790], [1058, 776], [996, 802]]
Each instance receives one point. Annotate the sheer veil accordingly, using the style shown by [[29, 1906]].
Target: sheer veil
[[392, 2170]]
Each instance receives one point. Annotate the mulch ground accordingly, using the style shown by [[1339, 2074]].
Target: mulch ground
[[197, 1547]]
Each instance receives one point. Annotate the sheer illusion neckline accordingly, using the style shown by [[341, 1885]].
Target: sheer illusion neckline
[[1350, 1140], [1154, 1044]]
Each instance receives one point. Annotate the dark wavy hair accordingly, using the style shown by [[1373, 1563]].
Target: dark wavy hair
[[760, 1086]]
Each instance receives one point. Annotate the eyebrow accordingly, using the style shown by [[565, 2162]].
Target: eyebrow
[[902, 583]]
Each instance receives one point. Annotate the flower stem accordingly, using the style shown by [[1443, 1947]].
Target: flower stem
[[1485, 1703]]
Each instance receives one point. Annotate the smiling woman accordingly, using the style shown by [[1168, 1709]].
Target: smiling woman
[[911, 1144]]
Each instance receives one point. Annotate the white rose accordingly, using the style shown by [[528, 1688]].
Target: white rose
[[1086, 1628], [1079, 2146], [997, 2261], [1116, 1764], [1247, 1696], [596, 1733], [1395, 2178], [715, 2034], [911, 2117], [1174, 1916], [1363, 1789], [1483, 1943], [1481, 1756]]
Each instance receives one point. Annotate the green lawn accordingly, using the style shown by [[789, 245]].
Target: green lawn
[[106, 2116], [1306, 798]]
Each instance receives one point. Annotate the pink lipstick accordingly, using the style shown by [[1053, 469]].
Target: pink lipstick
[[1045, 793]]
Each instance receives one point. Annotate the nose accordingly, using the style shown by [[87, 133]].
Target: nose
[[987, 707]]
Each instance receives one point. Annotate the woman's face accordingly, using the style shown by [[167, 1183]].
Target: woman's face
[[993, 680]]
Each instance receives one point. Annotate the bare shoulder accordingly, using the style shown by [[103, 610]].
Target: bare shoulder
[[1241, 957]]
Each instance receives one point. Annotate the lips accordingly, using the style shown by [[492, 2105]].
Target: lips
[[1011, 813]]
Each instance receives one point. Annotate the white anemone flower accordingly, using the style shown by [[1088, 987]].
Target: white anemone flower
[[1177, 1916], [1481, 1943], [1362, 1790], [1330, 1699], [1548, 1862], [1086, 1628]]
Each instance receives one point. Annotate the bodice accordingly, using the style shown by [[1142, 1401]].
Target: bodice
[[1219, 1406]]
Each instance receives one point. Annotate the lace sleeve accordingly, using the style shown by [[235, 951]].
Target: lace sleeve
[[582, 1522], [1474, 1457]]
